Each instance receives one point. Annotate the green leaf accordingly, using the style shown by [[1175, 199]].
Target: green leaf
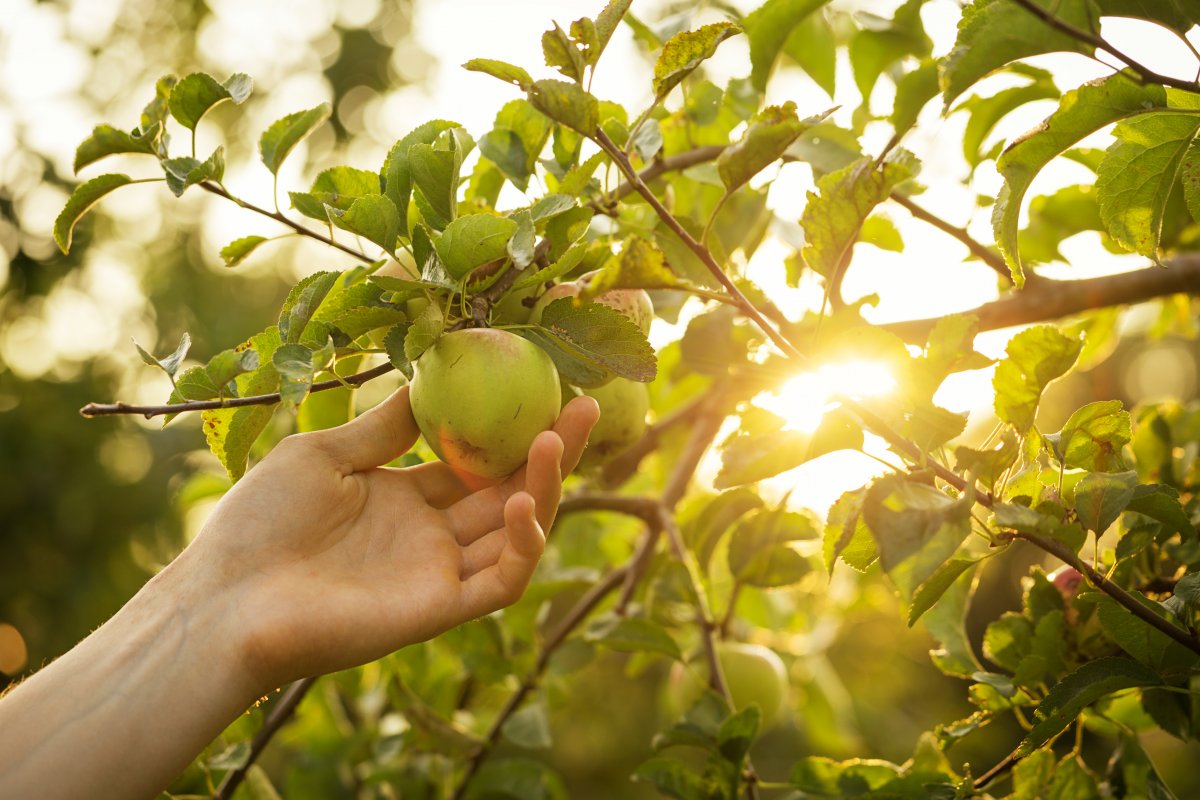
[[1071, 695], [946, 623], [396, 173], [704, 530], [1035, 357], [988, 465], [631, 635], [592, 342], [932, 588], [812, 44], [760, 550], [185, 171], [562, 53], [567, 104], [685, 51], [515, 779], [195, 95], [1138, 175], [913, 91], [916, 528], [1161, 503], [284, 134], [517, 138], [737, 733], [749, 458], [986, 112], [639, 265], [1100, 497], [294, 363], [1093, 436], [846, 534], [521, 247], [302, 302], [765, 141], [569, 261], [169, 364], [882, 42], [424, 331], [1081, 112], [231, 432], [832, 220], [529, 727], [768, 29], [672, 778], [499, 69], [238, 250], [393, 345], [435, 171], [1187, 589], [1132, 774], [1147, 644], [107, 141], [606, 24], [229, 364], [80, 202], [992, 33], [373, 217], [473, 240], [338, 187]]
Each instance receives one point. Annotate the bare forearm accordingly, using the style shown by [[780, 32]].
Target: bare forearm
[[124, 712]]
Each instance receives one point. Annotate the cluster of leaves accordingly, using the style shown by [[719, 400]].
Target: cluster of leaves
[[1108, 648]]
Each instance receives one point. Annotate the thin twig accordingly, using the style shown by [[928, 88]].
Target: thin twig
[[100, 410], [219, 191], [574, 617], [278, 716], [981, 251], [1089, 38]]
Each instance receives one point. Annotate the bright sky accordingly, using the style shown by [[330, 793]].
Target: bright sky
[[44, 63]]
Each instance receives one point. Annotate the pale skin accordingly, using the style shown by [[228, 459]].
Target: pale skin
[[318, 560]]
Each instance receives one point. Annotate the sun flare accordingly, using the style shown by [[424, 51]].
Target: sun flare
[[804, 399]]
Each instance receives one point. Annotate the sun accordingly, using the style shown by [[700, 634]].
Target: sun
[[803, 399]]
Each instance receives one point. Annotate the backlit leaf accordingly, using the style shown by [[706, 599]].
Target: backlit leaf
[[80, 202], [284, 134], [1035, 357], [685, 51], [195, 95]]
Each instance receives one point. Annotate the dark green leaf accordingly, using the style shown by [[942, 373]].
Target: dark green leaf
[[931, 590], [107, 141], [373, 217], [591, 342], [284, 134], [737, 734], [1161, 503], [396, 173], [435, 172], [1101, 497], [185, 171], [672, 778], [393, 344], [196, 94], [473, 240], [302, 302], [1148, 645], [760, 550], [1080, 689], [80, 202], [569, 261], [529, 727]]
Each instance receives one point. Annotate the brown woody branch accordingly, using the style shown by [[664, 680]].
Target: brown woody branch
[[219, 191], [1055, 299], [100, 409], [279, 715]]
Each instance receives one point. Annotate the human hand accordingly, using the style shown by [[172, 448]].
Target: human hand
[[332, 560]]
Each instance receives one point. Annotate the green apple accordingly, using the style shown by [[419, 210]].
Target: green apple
[[755, 675], [480, 396], [623, 406]]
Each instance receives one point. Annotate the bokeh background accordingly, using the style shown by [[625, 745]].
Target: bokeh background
[[90, 509]]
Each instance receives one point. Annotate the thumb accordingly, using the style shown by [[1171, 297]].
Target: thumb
[[386, 431]]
